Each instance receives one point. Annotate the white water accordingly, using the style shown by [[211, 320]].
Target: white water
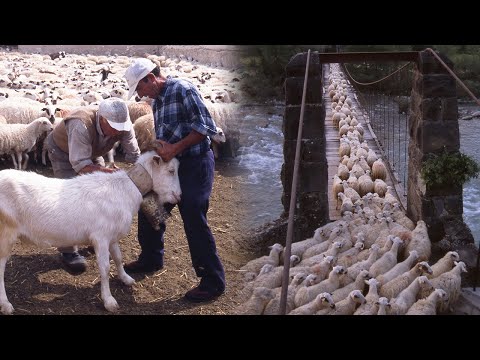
[[470, 145], [260, 159]]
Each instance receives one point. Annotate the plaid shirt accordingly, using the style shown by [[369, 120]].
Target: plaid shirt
[[177, 111]]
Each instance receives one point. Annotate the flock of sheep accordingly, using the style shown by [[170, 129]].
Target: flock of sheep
[[35, 88], [374, 260]]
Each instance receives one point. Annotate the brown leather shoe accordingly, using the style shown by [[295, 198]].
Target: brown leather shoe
[[140, 267], [199, 294]]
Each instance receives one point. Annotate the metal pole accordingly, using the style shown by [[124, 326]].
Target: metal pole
[[293, 195]]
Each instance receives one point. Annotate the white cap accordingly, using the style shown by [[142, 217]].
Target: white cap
[[116, 112], [136, 72]]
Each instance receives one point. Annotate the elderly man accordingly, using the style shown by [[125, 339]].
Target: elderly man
[[77, 144], [183, 127]]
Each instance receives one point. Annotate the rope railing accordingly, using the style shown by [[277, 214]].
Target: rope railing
[[373, 82]]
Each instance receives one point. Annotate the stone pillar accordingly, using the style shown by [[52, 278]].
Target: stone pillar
[[312, 197], [433, 125]]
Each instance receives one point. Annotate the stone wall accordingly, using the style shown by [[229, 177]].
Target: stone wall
[[433, 126], [312, 196], [223, 55]]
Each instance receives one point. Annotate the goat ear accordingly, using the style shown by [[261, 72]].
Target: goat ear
[[157, 159]]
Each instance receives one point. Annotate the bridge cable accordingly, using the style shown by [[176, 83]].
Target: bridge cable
[[453, 74], [376, 81]]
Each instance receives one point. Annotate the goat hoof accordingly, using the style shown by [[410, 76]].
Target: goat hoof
[[6, 308], [128, 280], [111, 304]]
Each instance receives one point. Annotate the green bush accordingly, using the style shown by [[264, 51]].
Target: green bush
[[449, 169]]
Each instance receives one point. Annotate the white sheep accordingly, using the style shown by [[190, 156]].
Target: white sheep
[[45, 212], [299, 247], [446, 263], [349, 257], [347, 204], [138, 109], [337, 188], [298, 280], [217, 139], [255, 265], [407, 297], [323, 300], [392, 288], [359, 284], [18, 139], [306, 294], [144, 132], [371, 157], [368, 308], [429, 305], [333, 250], [383, 304], [379, 171], [399, 216], [420, 242], [451, 282], [318, 248], [255, 305], [399, 269], [346, 306], [20, 110], [380, 187], [269, 277], [321, 269], [387, 261], [355, 269]]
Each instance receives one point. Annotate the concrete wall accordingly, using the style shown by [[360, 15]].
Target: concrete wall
[[223, 55], [312, 197]]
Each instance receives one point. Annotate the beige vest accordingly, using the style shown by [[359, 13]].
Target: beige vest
[[88, 117]]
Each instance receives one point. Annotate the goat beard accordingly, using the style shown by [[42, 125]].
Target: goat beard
[[154, 211]]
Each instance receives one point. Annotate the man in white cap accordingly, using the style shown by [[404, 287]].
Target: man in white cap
[[183, 128], [78, 143]]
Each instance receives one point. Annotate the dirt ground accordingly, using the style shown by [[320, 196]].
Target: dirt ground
[[36, 282]]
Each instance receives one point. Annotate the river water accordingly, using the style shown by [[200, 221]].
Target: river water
[[260, 158], [470, 145]]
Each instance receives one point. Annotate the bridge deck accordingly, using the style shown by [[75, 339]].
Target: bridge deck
[[333, 143]]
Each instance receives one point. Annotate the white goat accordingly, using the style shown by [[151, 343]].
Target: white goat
[[45, 212]]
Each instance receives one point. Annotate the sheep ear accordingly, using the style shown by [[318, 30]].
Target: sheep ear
[[157, 159]]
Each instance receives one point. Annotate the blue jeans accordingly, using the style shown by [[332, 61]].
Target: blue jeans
[[196, 175]]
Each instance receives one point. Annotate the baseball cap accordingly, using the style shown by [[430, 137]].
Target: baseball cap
[[136, 72], [116, 113]]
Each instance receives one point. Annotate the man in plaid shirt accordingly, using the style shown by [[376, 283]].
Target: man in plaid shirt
[[183, 128]]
